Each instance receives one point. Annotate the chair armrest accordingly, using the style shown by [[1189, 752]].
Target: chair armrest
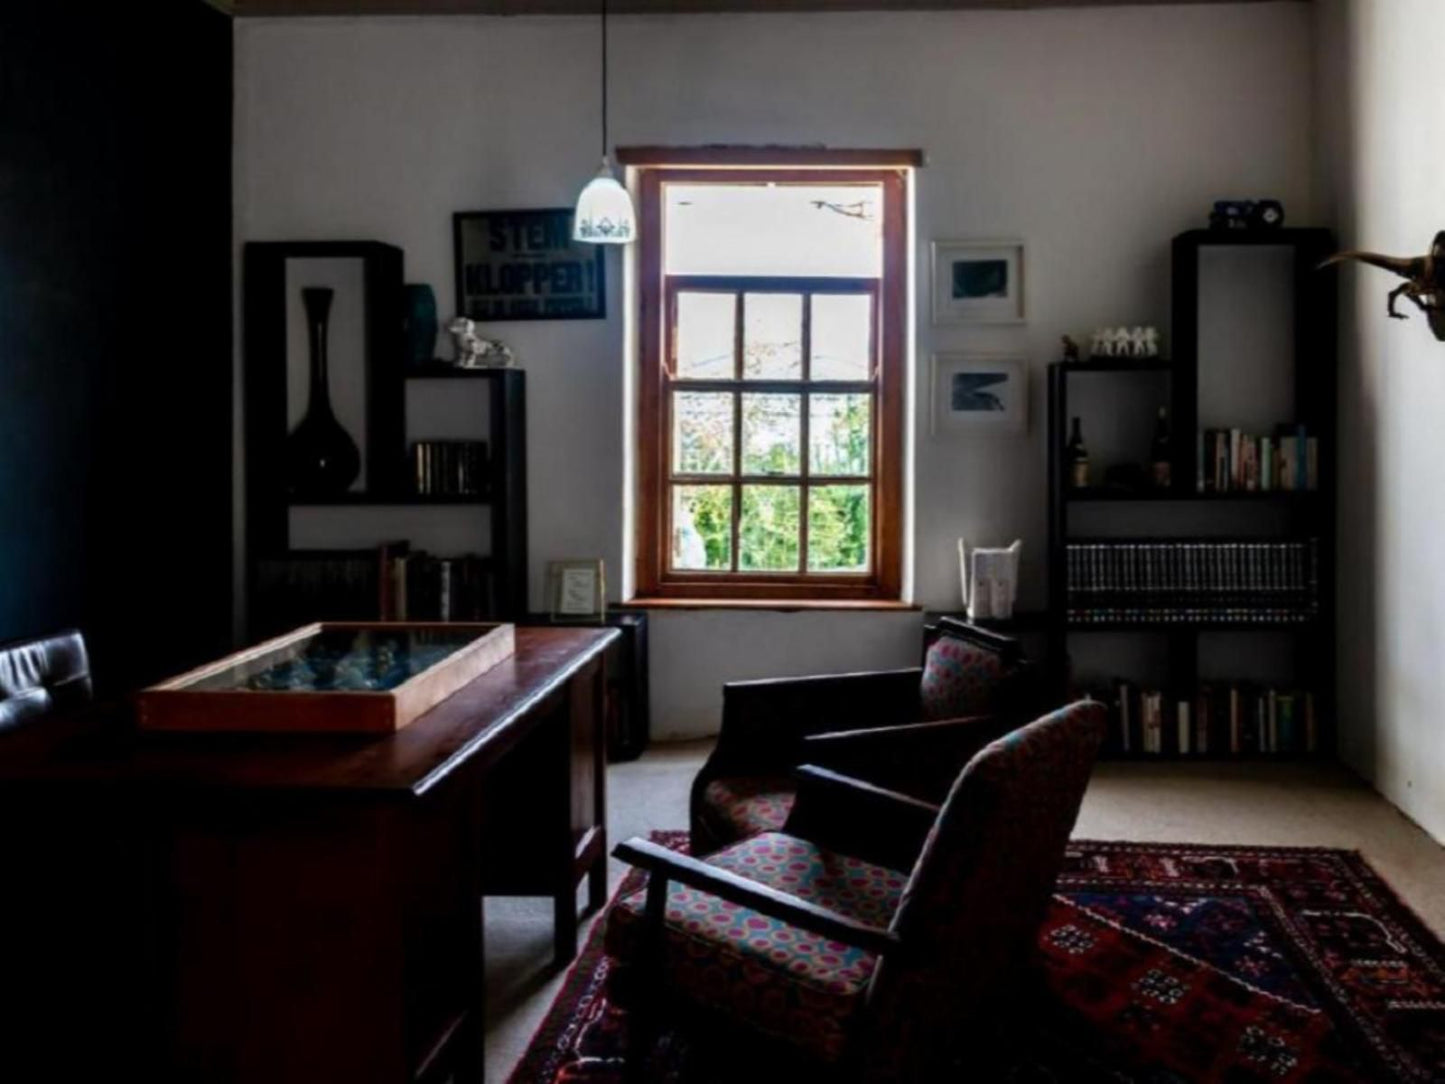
[[671, 866], [920, 759], [856, 817], [763, 721]]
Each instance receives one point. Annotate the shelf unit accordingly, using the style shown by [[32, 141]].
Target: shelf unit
[[1305, 514], [268, 505]]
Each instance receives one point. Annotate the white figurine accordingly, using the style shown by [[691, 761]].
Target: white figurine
[[1137, 342], [1102, 345], [475, 352], [1151, 342]]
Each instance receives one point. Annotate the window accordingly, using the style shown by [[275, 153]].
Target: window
[[770, 420]]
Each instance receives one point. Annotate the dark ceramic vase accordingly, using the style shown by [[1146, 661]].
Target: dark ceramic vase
[[321, 458]]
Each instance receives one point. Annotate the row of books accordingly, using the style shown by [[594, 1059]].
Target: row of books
[[1224, 616], [1181, 571], [420, 587], [451, 468], [390, 582], [1234, 462], [1217, 719]]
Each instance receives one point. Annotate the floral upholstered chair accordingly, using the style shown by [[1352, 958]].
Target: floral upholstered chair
[[909, 730], [818, 940]]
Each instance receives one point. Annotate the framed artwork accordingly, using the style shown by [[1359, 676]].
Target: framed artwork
[[979, 394], [524, 265], [978, 282], [576, 589]]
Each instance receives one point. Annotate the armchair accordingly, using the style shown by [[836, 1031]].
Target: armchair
[[42, 677], [909, 730], [817, 942]]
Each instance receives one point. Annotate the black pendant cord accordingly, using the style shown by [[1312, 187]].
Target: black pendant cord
[[604, 78]]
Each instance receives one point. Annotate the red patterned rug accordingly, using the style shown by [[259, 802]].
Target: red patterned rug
[[1165, 963]]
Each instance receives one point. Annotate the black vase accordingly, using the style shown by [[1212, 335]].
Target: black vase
[[321, 458]]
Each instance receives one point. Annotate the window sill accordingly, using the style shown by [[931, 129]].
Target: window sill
[[782, 605]]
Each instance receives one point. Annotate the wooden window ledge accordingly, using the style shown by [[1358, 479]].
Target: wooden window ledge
[[784, 605]]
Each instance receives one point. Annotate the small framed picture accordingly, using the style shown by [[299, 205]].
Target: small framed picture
[[979, 394], [576, 589], [978, 282]]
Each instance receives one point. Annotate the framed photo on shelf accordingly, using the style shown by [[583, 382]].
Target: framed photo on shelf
[[978, 282], [524, 265], [975, 393], [576, 589]]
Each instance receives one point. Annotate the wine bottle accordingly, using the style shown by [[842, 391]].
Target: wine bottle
[[1077, 458], [1159, 450]]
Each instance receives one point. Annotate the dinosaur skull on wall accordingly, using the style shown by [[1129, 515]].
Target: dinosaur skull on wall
[[1424, 280]]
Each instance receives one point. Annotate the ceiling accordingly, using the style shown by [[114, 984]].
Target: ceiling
[[569, 7]]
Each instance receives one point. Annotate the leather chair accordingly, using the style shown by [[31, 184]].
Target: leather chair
[[909, 730], [819, 941], [43, 677]]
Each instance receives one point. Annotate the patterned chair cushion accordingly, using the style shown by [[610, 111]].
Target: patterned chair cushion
[[959, 678], [792, 984], [749, 806]]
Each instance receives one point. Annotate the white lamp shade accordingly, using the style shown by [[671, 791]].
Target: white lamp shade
[[604, 211]]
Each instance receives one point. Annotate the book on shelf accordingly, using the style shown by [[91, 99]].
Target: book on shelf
[[1234, 462], [449, 468], [1240, 718], [390, 582], [1196, 581]]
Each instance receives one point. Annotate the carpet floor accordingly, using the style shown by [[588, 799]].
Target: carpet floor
[[1165, 963]]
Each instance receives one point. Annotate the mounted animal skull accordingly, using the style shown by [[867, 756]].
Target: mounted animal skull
[[1424, 280]]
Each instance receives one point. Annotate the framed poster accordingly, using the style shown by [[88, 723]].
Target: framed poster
[[524, 265], [979, 394], [978, 282]]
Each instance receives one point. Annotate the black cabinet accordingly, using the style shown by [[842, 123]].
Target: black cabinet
[[629, 713]]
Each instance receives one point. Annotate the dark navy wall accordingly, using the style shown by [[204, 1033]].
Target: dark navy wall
[[115, 340]]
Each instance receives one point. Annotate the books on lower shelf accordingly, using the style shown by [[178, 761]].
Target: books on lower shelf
[[1233, 462], [1218, 719], [390, 582], [1221, 581]]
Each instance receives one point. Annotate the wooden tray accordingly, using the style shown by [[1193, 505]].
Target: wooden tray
[[216, 697]]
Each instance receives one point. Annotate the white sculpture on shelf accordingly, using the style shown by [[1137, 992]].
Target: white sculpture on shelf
[[1151, 342], [475, 352], [990, 580], [1138, 343]]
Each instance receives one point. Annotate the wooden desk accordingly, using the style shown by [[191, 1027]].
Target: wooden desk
[[289, 909]]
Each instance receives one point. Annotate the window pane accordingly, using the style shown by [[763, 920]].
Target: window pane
[[838, 434], [702, 432], [842, 331], [772, 434], [838, 528], [702, 527], [706, 335], [772, 336], [769, 530], [774, 229]]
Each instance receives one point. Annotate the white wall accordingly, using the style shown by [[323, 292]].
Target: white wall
[[1382, 145], [1094, 135]]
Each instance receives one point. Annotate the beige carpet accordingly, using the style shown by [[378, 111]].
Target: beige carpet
[[1302, 805]]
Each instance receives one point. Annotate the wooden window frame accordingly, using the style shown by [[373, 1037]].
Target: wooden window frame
[[884, 582]]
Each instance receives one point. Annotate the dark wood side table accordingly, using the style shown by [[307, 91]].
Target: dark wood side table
[[288, 909]]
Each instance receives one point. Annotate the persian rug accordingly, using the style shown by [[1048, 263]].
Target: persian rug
[[1165, 963]]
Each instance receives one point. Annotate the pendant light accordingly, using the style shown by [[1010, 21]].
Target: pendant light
[[604, 209]]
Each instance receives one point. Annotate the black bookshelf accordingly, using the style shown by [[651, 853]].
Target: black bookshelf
[[501, 508], [1278, 515]]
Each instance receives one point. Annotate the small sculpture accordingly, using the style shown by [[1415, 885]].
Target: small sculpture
[[1151, 342], [475, 352], [1071, 350], [1098, 344], [1137, 343], [1424, 281]]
